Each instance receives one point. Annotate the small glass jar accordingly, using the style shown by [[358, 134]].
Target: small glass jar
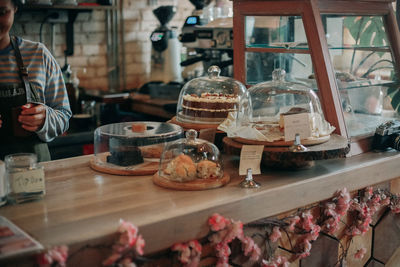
[[3, 188], [25, 178]]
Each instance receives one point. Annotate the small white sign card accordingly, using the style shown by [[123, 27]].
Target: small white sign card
[[250, 157], [297, 124]]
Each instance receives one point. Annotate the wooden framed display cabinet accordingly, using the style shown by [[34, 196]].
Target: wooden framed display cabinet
[[348, 51]]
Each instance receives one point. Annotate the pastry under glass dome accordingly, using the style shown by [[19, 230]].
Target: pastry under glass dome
[[209, 99], [190, 158], [132, 143], [270, 101]]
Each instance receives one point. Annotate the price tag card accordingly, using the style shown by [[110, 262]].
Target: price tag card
[[297, 124], [250, 157]]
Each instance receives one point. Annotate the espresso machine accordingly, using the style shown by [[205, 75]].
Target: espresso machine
[[166, 48], [208, 41]]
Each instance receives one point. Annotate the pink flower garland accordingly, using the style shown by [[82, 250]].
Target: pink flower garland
[[224, 231]]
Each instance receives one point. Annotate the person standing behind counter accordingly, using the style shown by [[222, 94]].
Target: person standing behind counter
[[34, 106]]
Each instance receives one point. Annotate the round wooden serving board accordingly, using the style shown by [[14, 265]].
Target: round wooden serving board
[[304, 142], [148, 167], [280, 157], [197, 184]]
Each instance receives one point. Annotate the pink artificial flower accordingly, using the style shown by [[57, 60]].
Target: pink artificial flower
[[217, 222], [314, 233], [307, 223], [58, 254], [292, 222], [140, 243], [279, 261], [360, 253], [305, 247], [256, 253], [369, 192], [275, 235], [343, 201], [184, 252], [128, 233], [189, 253], [250, 248], [331, 225]]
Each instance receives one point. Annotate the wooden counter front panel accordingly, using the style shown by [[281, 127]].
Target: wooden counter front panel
[[83, 206]]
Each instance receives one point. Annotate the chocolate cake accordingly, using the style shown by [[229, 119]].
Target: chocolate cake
[[209, 105], [125, 156]]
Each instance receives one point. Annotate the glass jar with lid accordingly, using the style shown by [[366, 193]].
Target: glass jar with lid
[[25, 178], [209, 99], [191, 164], [271, 102]]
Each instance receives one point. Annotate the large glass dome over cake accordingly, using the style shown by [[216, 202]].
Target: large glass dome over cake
[[132, 143], [273, 109], [190, 159], [209, 99]]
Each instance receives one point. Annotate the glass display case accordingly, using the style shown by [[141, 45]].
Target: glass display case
[[346, 51], [132, 148], [273, 105], [209, 99], [189, 159]]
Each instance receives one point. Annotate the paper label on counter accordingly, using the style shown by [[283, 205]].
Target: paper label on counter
[[297, 124], [250, 157], [27, 181]]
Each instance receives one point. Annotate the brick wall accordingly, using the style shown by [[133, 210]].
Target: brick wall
[[90, 49]]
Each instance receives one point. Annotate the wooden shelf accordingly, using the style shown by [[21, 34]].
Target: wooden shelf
[[29, 7]]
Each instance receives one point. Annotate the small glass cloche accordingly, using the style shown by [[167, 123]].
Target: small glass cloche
[[209, 99], [269, 103], [189, 159]]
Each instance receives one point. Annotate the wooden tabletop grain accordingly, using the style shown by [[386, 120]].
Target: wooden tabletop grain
[[83, 206]]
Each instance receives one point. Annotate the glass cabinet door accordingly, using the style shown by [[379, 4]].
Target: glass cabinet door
[[275, 42], [360, 54], [364, 68]]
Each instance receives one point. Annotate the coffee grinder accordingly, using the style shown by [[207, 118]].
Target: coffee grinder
[[166, 48]]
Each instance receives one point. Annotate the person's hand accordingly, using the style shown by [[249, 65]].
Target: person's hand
[[32, 117]]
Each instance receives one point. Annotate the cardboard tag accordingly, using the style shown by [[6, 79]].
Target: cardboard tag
[[250, 157], [27, 181], [297, 124]]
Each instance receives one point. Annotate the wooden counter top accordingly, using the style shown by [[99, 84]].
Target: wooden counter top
[[83, 206]]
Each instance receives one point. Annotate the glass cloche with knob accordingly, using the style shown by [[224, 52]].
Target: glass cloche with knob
[[191, 164], [209, 99], [276, 110]]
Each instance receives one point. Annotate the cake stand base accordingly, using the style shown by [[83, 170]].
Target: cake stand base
[[148, 167], [197, 184], [281, 158]]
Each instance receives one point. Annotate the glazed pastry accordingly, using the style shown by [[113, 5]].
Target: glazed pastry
[[181, 169], [153, 151], [207, 169]]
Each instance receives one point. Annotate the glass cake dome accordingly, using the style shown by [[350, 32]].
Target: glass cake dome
[[189, 158], [271, 102], [209, 99], [132, 143]]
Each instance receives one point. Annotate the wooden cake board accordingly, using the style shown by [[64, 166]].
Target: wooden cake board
[[281, 157], [304, 142], [148, 167], [197, 184]]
